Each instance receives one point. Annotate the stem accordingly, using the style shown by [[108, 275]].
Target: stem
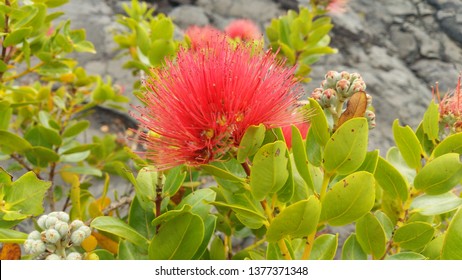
[[24, 164], [23, 73], [284, 250], [255, 245], [325, 184], [158, 201], [228, 247], [246, 167]]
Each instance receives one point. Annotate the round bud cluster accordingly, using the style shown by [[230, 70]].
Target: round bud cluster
[[344, 84], [57, 236]]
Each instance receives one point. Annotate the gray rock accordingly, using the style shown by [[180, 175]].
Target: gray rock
[[187, 15]]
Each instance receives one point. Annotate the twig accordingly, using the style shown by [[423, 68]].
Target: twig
[[24, 164]]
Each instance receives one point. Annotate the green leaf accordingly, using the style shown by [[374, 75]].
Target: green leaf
[[430, 121], [390, 180], [174, 180], [300, 157], [297, 220], [178, 239], [439, 175], [119, 228], [75, 129], [414, 235], [199, 201], [319, 124], [251, 142], [169, 215], [269, 170], [41, 156], [12, 236], [6, 112], [145, 186], [162, 29], [349, 199], [54, 68], [16, 36], [220, 173], [160, 50], [26, 195], [286, 193], [84, 46], [433, 249], [370, 162], [346, 149], [451, 144], [248, 217], [406, 256], [10, 142], [3, 66], [128, 251], [452, 246], [371, 236], [352, 249], [430, 205], [395, 158], [79, 148], [386, 223], [104, 254], [217, 250], [324, 247], [43, 136], [141, 220], [210, 223], [313, 149], [234, 168], [408, 144], [142, 39]]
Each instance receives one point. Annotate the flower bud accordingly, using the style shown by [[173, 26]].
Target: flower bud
[[370, 116], [50, 221], [86, 230], [53, 257], [332, 77], [62, 228], [37, 247], [76, 224], [41, 221], [63, 216], [52, 235], [342, 87], [74, 256], [354, 77], [345, 75], [369, 99], [50, 247], [28, 245], [53, 214], [328, 98], [316, 94], [77, 237], [35, 235]]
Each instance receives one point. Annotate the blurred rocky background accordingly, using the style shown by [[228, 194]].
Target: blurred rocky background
[[400, 47]]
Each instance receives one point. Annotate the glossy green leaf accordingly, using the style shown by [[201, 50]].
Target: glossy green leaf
[[79, 148], [119, 228], [324, 247], [12, 236], [430, 205], [408, 144], [128, 251], [142, 39], [43, 136], [430, 121], [313, 149], [210, 223], [390, 180], [26, 195], [319, 124], [426, 144], [269, 170], [251, 142], [387, 224], [199, 201], [433, 249], [249, 217], [171, 214], [160, 50], [371, 236], [439, 175], [233, 167], [406, 256], [452, 246], [10, 142], [346, 149], [352, 249], [297, 220], [178, 239], [451, 144], [141, 219], [217, 250], [84, 46], [75, 129], [370, 162], [16, 36], [395, 158], [145, 186], [414, 235], [6, 112], [3, 66], [41, 156], [349, 199], [174, 180], [286, 193], [300, 157], [221, 173]]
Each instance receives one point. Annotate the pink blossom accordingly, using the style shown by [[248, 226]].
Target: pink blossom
[[287, 131], [202, 36], [337, 6], [243, 29], [199, 105]]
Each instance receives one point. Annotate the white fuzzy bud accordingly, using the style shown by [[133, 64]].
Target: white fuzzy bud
[[62, 228], [35, 235], [51, 247], [28, 245], [50, 222], [41, 221], [86, 230], [63, 216], [53, 257], [77, 237], [52, 235], [37, 247], [76, 224], [74, 256]]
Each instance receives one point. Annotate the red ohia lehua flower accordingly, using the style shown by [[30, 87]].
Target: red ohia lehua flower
[[199, 106], [201, 36], [243, 29], [450, 107]]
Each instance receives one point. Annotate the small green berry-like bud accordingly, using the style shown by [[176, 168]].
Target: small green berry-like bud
[[52, 235], [53, 257], [35, 235], [41, 221], [77, 237], [74, 256], [76, 224], [62, 228], [63, 216], [50, 222]]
